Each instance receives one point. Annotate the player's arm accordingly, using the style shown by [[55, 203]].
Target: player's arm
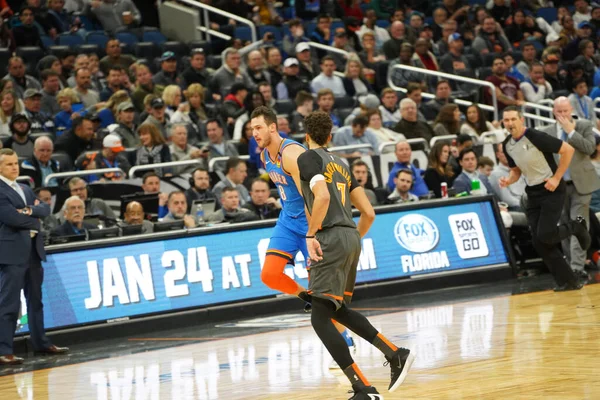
[[367, 213], [289, 159], [309, 168]]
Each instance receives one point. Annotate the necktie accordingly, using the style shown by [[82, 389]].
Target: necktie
[[567, 175], [19, 191]]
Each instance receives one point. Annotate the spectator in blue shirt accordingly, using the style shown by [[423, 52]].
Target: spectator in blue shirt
[[403, 155], [354, 135]]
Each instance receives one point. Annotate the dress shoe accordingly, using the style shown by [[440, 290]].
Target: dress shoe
[[53, 350], [581, 232], [568, 286], [10, 360]]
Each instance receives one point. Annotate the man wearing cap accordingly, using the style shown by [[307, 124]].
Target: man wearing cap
[[551, 75], [197, 72], [20, 141], [88, 96], [114, 58], [109, 157], [127, 129], [291, 84], [229, 73], [308, 68], [454, 60], [158, 117], [40, 122], [168, 70], [327, 79]]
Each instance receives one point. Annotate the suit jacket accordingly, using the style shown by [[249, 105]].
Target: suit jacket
[[66, 229], [581, 168], [15, 239], [462, 183]]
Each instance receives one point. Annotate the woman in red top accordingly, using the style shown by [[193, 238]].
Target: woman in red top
[[352, 8]]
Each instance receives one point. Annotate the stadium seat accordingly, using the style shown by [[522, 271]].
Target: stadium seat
[[336, 23], [197, 44], [488, 59], [92, 48], [127, 37], [284, 107], [30, 55], [127, 49], [243, 32], [478, 2], [5, 55], [484, 72], [58, 51], [155, 37], [343, 113], [215, 61], [35, 135], [381, 71], [309, 28], [47, 41], [270, 28], [97, 37], [550, 14], [64, 160], [288, 13], [383, 23], [179, 48], [88, 25], [69, 39], [517, 55], [474, 60], [344, 102], [147, 50]]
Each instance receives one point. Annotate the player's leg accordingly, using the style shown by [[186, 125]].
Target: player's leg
[[322, 312], [281, 252]]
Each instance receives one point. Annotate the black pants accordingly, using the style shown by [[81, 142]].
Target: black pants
[[544, 209]]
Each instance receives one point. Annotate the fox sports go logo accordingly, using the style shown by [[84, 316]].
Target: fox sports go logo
[[416, 233]]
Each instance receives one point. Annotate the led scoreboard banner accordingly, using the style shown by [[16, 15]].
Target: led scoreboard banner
[[113, 279]]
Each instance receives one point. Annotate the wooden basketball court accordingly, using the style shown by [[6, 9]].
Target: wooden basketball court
[[543, 345]]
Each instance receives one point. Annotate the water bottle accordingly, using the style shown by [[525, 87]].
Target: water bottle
[[199, 213], [475, 187]]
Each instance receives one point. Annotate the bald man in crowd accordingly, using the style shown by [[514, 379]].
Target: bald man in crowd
[[135, 215]]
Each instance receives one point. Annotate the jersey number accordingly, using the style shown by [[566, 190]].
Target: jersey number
[[342, 188], [282, 193]]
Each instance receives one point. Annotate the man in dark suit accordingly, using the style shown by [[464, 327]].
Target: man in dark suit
[[463, 182], [22, 249], [581, 179]]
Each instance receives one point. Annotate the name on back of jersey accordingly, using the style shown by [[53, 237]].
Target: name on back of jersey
[[333, 167]]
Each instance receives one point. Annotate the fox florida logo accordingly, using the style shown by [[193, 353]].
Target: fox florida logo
[[468, 235], [418, 234]]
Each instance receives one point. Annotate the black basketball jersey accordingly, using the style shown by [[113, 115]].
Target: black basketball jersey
[[319, 164]]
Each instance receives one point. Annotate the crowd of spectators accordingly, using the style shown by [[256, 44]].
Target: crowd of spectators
[[106, 108]]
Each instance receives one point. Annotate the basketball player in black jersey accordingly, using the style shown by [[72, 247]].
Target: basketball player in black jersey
[[334, 245]]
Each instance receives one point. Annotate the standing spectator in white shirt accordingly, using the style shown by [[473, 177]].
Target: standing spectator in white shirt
[[582, 12]]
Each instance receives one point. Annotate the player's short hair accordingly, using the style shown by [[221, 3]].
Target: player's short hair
[[267, 113], [318, 127]]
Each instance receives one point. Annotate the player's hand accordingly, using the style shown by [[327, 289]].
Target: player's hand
[[552, 184], [314, 249], [504, 182]]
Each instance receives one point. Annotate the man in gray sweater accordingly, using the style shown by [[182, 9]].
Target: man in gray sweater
[[114, 14]]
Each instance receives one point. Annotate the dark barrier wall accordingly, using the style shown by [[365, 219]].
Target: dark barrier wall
[[112, 279]]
